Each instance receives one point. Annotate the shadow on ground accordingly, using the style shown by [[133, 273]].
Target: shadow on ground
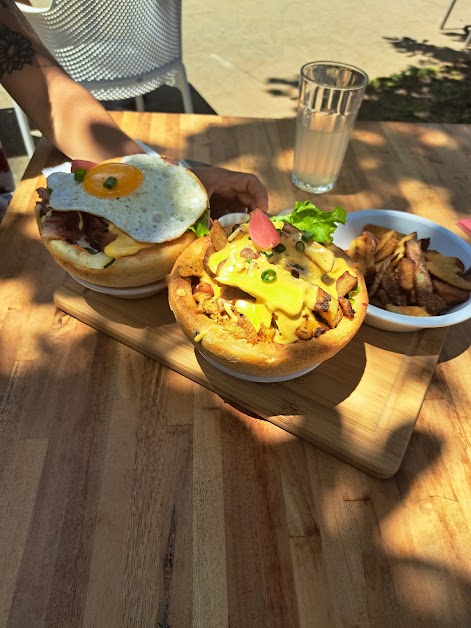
[[435, 88]]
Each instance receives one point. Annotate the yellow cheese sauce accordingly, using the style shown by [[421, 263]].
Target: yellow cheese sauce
[[286, 296], [123, 245]]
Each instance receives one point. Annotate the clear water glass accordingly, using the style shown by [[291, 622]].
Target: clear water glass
[[330, 95]]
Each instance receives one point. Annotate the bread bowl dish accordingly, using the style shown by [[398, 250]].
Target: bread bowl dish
[[121, 223], [267, 300]]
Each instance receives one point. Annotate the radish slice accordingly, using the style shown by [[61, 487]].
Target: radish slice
[[262, 231], [81, 163]]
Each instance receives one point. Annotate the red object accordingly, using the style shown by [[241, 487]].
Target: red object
[[465, 224], [81, 163], [263, 231]]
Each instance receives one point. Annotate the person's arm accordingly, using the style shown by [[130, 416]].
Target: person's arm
[[65, 113]]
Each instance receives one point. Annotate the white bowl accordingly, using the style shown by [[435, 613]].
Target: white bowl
[[138, 292], [257, 378], [441, 239], [235, 218]]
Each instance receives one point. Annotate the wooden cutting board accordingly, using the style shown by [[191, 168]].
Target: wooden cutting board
[[361, 405]]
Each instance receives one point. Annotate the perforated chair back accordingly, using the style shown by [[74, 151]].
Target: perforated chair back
[[116, 49]]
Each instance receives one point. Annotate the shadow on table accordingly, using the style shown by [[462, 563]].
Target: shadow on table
[[346, 531], [351, 533], [164, 99], [372, 179]]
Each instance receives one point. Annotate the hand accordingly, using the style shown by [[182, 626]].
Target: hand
[[231, 191]]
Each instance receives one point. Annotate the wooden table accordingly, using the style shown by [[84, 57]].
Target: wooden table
[[131, 496]]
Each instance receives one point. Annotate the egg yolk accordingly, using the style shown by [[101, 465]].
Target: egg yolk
[[128, 179]]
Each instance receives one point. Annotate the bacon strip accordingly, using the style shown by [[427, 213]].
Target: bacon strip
[[59, 225]]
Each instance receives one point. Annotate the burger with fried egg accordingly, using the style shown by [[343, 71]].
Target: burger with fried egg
[[274, 297], [121, 223]]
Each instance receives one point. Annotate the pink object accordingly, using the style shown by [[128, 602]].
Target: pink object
[[465, 224], [81, 163], [262, 231]]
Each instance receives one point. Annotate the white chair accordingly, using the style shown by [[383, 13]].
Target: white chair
[[116, 49]]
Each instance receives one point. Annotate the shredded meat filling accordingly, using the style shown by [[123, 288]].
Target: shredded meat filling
[[74, 226]]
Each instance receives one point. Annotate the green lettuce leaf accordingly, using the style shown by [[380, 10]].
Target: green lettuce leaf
[[313, 222], [201, 226]]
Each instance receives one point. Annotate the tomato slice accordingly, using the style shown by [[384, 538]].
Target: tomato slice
[[81, 163], [262, 231]]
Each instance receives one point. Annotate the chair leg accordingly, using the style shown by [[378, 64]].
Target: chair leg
[[140, 103], [23, 123], [182, 83], [447, 14]]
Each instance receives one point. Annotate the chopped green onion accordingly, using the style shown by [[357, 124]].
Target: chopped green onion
[[79, 174], [351, 294], [307, 235], [280, 248], [300, 246], [110, 183], [268, 253], [268, 275]]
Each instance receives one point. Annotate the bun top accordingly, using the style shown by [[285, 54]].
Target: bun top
[[147, 198]]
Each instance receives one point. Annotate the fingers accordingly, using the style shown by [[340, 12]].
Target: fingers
[[257, 193], [229, 190]]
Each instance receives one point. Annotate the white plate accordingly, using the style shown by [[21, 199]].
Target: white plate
[[442, 240], [233, 219], [254, 378], [125, 293]]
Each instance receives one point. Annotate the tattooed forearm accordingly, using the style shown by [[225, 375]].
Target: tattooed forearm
[[16, 51]]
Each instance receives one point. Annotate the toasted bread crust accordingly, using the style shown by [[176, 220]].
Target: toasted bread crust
[[147, 266], [264, 359]]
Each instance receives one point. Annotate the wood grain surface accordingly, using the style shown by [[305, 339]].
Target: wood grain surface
[[133, 496], [361, 405]]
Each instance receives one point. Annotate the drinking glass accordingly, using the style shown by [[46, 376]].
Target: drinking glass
[[330, 95]]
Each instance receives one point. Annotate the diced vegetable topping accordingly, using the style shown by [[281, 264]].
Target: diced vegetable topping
[[268, 275], [79, 174], [110, 183]]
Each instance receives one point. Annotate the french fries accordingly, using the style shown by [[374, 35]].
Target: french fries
[[405, 276]]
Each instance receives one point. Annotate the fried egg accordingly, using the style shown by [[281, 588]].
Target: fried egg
[[151, 200]]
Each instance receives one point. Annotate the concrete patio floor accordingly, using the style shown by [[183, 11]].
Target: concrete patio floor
[[242, 58]]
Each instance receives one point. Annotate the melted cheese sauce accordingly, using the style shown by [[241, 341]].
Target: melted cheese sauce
[[124, 244], [288, 297]]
